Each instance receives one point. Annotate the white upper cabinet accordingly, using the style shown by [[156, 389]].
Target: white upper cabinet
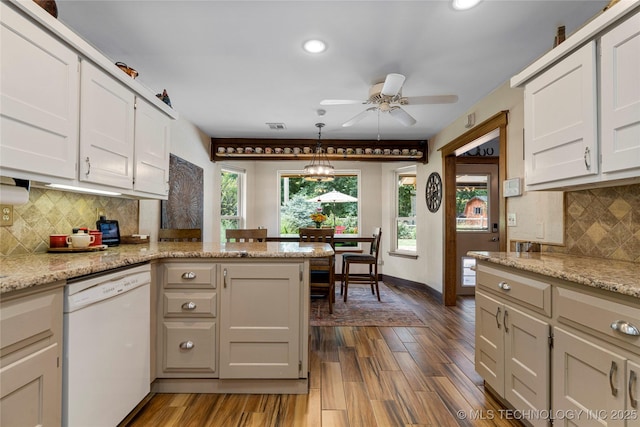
[[582, 106], [106, 129], [620, 98], [152, 138], [69, 116], [39, 86], [560, 120]]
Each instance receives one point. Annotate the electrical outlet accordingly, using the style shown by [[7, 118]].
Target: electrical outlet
[[540, 230], [99, 213], [7, 215], [511, 220]]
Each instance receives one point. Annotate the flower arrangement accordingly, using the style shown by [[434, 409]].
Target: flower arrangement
[[318, 218]]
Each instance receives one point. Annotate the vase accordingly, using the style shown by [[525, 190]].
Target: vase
[[318, 224]]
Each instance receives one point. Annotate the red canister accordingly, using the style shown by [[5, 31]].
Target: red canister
[[98, 237], [58, 241]]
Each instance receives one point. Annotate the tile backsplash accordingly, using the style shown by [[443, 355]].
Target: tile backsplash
[[57, 212], [604, 222]]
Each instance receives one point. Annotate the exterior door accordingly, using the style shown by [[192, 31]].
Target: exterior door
[[477, 224]]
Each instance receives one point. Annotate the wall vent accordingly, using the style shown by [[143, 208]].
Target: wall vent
[[276, 126]]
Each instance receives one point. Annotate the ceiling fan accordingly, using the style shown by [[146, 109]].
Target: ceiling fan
[[387, 98]]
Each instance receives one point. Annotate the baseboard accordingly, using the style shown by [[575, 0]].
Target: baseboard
[[397, 281]]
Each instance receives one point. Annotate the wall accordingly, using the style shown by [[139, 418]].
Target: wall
[[545, 207], [57, 212], [188, 143]]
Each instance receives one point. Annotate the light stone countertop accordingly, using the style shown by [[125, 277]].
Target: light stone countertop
[[622, 277], [21, 272]]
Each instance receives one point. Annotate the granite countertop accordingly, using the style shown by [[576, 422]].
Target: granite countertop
[[21, 272], [622, 277]]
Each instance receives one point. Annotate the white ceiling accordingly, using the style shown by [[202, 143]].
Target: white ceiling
[[232, 66]]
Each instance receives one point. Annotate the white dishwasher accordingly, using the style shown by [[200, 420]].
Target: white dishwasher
[[106, 346]]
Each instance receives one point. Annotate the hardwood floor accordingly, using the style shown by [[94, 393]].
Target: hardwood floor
[[362, 377]]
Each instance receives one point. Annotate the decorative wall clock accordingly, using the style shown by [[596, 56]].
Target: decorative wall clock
[[433, 193]]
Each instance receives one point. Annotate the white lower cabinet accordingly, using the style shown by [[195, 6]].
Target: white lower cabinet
[[260, 328], [512, 354]]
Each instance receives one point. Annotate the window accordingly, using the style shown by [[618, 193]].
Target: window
[[337, 200], [472, 202], [231, 201], [405, 212]]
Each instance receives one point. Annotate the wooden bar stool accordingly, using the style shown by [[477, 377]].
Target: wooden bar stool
[[322, 280], [370, 259], [246, 235]]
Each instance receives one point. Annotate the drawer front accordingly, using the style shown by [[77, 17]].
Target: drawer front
[[190, 346], [192, 275], [531, 293], [30, 319], [190, 304], [599, 315]]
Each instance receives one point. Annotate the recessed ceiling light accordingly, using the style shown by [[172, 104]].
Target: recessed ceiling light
[[464, 4], [314, 46]]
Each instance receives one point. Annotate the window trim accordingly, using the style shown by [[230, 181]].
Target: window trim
[[242, 191], [412, 169], [298, 173]]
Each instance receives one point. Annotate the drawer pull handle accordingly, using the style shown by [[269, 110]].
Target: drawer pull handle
[[498, 317], [187, 345], [632, 385], [625, 327], [189, 305], [612, 372], [504, 286], [188, 275], [587, 158], [224, 274]]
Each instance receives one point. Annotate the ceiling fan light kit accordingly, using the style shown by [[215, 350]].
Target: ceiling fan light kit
[[387, 98], [319, 170], [464, 4]]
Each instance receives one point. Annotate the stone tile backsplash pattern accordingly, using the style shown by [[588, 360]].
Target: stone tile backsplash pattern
[[603, 222], [57, 212]]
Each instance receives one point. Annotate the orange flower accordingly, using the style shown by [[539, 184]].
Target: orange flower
[[318, 217]]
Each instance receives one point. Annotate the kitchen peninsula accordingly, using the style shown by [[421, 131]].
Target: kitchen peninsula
[[225, 317]]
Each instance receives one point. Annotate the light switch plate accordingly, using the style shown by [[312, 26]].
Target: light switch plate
[[6, 219], [511, 220]]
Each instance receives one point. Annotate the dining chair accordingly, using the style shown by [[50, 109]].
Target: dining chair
[[370, 259], [322, 277], [246, 235], [180, 235]]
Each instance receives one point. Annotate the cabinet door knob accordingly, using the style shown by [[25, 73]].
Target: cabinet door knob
[[504, 286], [613, 371], [625, 327], [187, 345], [189, 305], [188, 275]]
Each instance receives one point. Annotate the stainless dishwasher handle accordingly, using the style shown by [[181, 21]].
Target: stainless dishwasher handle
[[504, 286], [189, 305], [188, 275], [625, 327], [187, 345], [632, 383], [612, 372]]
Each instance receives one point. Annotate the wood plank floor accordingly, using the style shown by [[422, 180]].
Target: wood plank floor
[[362, 377]]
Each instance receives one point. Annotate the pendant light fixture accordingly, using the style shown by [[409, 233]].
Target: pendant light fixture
[[319, 169]]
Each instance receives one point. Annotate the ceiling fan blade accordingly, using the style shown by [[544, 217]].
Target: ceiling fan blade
[[392, 84], [340, 102], [359, 117], [402, 116], [435, 99]]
